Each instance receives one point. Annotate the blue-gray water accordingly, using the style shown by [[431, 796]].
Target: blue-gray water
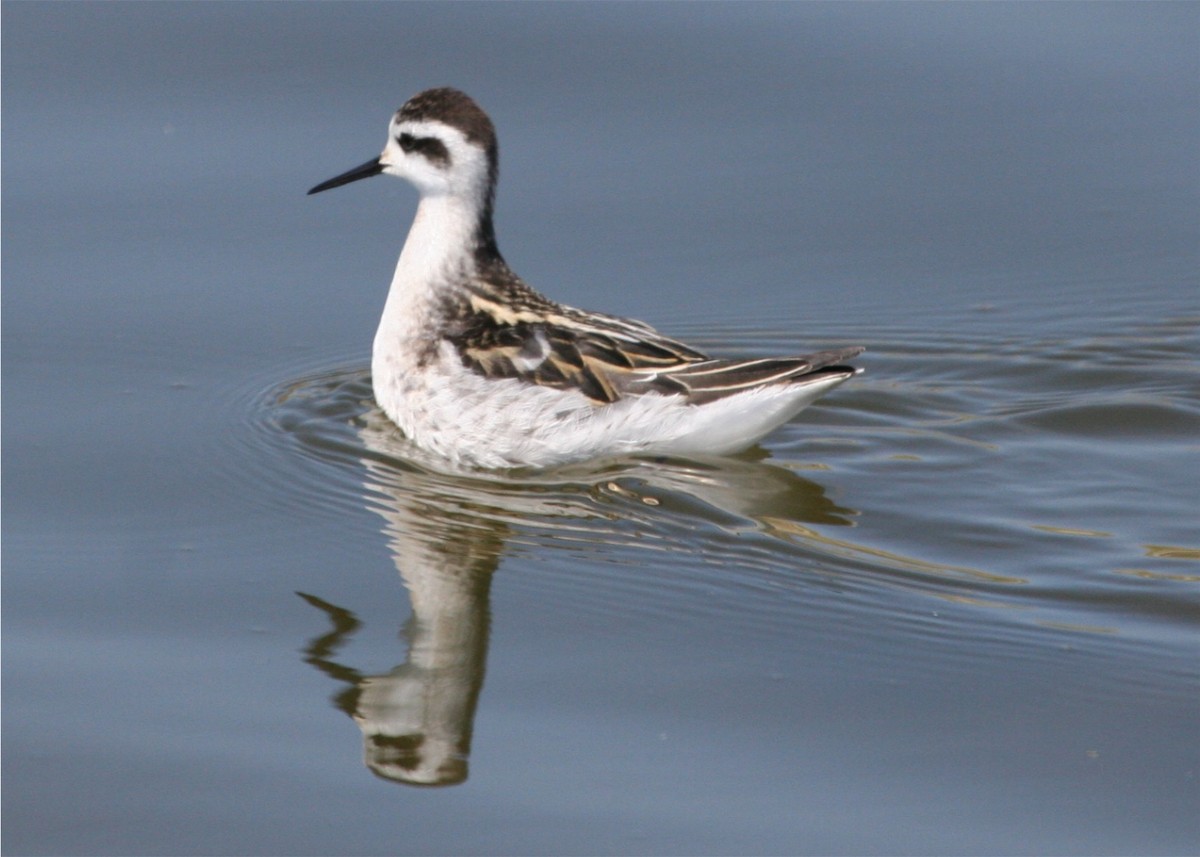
[[953, 608]]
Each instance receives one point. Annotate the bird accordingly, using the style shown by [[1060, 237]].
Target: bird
[[478, 368]]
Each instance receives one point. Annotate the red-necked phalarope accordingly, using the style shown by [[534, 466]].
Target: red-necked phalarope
[[477, 367]]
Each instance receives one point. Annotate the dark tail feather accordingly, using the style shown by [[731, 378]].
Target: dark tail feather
[[709, 380]]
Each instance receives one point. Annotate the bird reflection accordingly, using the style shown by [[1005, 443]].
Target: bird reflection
[[447, 533], [416, 720]]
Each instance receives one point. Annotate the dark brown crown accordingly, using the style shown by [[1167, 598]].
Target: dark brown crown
[[453, 108]]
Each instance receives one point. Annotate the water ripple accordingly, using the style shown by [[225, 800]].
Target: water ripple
[[988, 473]]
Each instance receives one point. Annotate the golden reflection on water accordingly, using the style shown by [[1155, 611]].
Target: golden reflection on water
[[1172, 552], [851, 550], [1071, 531], [1077, 628], [1158, 575]]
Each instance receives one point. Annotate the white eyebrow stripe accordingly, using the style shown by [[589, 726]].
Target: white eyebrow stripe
[[425, 128]]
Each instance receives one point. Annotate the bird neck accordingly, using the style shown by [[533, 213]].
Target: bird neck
[[450, 237], [450, 241]]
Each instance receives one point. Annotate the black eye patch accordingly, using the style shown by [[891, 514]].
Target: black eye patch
[[431, 147]]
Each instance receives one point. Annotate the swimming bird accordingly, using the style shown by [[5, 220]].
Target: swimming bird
[[475, 366]]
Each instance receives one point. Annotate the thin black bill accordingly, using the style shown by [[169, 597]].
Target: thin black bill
[[362, 171]]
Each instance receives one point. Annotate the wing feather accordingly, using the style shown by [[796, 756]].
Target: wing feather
[[598, 355], [606, 358], [714, 379]]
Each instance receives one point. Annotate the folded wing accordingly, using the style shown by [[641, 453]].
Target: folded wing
[[607, 358], [709, 380]]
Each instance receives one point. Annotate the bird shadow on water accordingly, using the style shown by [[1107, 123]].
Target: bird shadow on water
[[448, 532]]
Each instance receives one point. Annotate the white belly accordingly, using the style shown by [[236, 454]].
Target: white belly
[[469, 419]]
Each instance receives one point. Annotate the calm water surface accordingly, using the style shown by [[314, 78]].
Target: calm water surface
[[954, 608]]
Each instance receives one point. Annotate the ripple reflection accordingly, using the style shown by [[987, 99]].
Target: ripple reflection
[[447, 532]]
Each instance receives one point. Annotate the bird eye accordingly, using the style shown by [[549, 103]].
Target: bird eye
[[433, 149]]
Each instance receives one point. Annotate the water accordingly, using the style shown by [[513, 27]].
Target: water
[[954, 608]]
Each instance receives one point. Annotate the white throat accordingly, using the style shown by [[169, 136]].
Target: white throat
[[437, 255]]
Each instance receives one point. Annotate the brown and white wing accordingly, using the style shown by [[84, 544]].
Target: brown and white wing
[[709, 380], [607, 358], [602, 357]]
